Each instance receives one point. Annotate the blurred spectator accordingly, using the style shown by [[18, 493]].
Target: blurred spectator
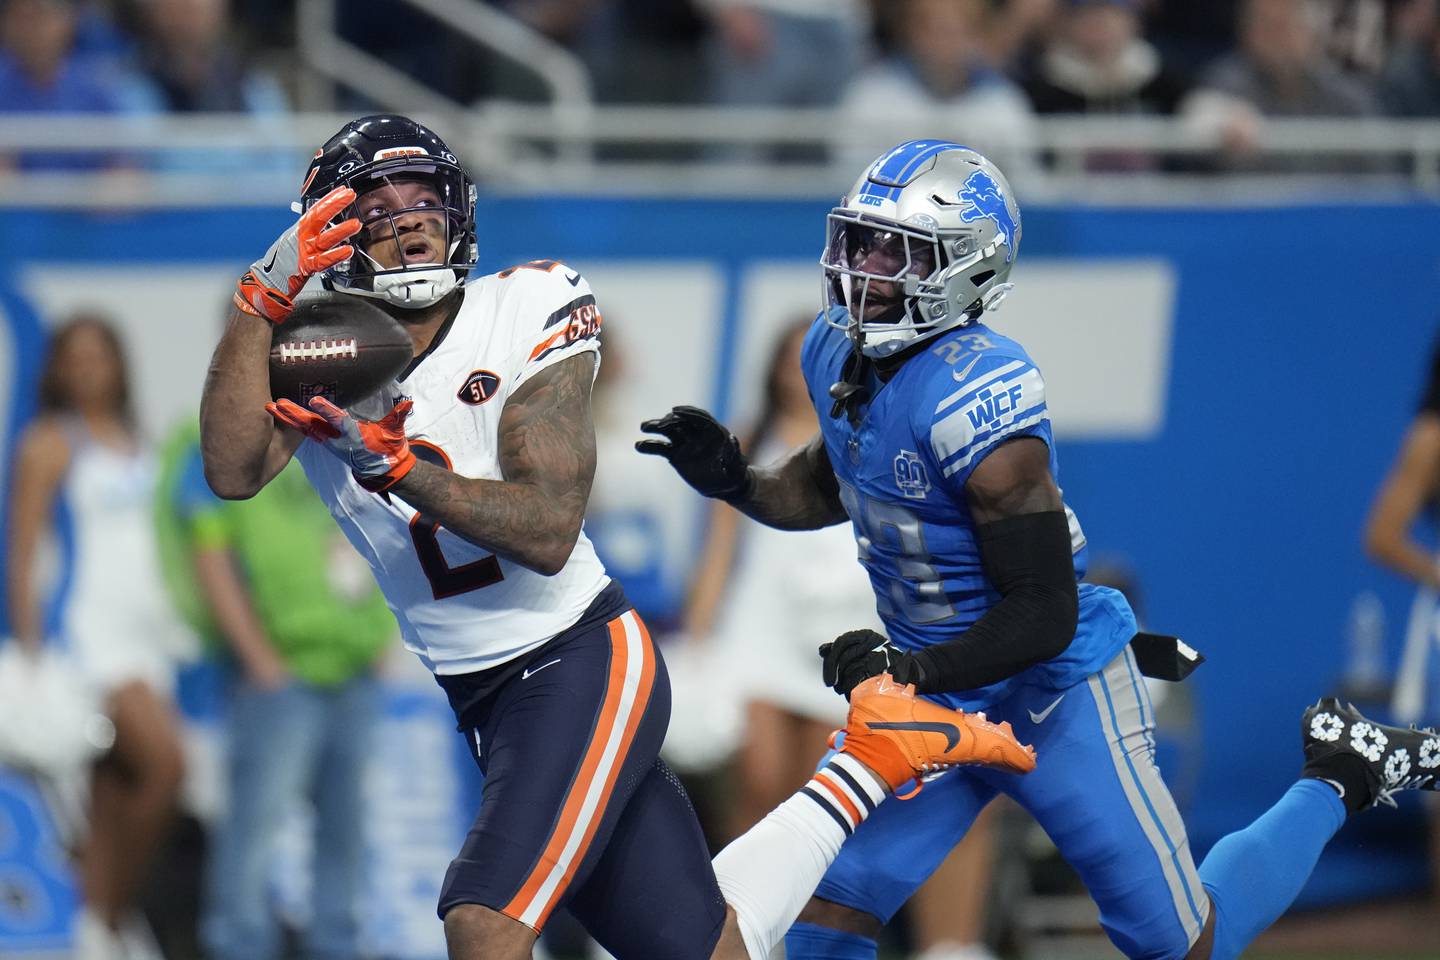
[[191, 62], [1191, 34], [646, 51], [638, 51], [102, 31], [784, 52], [83, 451], [304, 623], [1097, 62], [1017, 27], [1410, 84], [1359, 35], [1411, 493], [1279, 70], [940, 82], [191, 57], [41, 72]]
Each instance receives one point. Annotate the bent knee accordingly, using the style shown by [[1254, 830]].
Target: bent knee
[[473, 931], [1170, 941], [827, 913]]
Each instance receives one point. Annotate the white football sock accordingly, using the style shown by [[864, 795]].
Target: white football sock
[[768, 873]]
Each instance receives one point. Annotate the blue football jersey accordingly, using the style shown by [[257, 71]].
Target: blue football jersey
[[902, 471]]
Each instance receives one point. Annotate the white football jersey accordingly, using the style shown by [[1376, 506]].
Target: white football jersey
[[461, 608]]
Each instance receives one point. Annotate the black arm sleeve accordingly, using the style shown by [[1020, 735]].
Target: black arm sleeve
[[1028, 558]]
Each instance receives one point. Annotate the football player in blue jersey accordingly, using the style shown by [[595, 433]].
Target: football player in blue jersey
[[935, 444]]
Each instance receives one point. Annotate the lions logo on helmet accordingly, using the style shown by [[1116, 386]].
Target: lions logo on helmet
[[923, 242], [984, 200]]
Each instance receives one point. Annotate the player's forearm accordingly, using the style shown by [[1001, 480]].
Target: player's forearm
[[1025, 628], [1028, 559], [792, 493], [235, 430], [522, 522]]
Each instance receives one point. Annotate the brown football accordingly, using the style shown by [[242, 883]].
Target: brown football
[[338, 346]]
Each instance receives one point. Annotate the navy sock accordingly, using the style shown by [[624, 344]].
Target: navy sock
[[1254, 874], [806, 941]]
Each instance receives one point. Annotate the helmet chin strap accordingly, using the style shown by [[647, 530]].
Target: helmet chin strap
[[415, 289], [411, 289]]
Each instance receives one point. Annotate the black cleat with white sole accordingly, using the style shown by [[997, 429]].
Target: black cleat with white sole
[[1391, 758]]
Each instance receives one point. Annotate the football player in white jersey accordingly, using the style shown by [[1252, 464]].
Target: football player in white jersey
[[466, 497]]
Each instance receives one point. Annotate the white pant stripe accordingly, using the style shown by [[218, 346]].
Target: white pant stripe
[[1120, 710]]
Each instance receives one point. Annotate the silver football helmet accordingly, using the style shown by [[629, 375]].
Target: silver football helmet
[[923, 242]]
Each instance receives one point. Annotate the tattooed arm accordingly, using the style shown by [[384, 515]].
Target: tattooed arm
[[796, 492], [547, 456]]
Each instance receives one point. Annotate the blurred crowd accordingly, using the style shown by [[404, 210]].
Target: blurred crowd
[[982, 69]]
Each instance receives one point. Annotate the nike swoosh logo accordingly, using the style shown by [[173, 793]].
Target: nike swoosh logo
[[574, 279], [527, 673], [1040, 717], [962, 374], [952, 733], [271, 265]]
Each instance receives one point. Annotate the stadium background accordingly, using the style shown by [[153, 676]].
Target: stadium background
[[1232, 363]]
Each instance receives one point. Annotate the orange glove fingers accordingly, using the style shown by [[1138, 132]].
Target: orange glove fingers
[[326, 207], [341, 231], [291, 414], [395, 419], [328, 259]]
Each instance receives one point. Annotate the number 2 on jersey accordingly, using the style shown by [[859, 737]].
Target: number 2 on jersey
[[918, 592], [445, 580]]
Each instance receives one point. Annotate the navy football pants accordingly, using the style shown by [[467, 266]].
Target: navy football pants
[[577, 808]]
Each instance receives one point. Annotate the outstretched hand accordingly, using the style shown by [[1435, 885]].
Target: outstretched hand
[[309, 247], [702, 450]]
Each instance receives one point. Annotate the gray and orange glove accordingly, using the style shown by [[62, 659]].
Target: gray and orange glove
[[309, 247], [375, 450]]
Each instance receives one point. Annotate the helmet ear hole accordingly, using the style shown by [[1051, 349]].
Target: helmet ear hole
[[982, 278]]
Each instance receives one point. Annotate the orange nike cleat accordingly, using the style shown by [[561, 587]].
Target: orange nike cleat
[[902, 737]]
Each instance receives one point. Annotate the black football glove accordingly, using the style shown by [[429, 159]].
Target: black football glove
[[700, 448], [858, 655]]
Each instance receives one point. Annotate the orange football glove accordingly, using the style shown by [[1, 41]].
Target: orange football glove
[[375, 450], [268, 289]]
